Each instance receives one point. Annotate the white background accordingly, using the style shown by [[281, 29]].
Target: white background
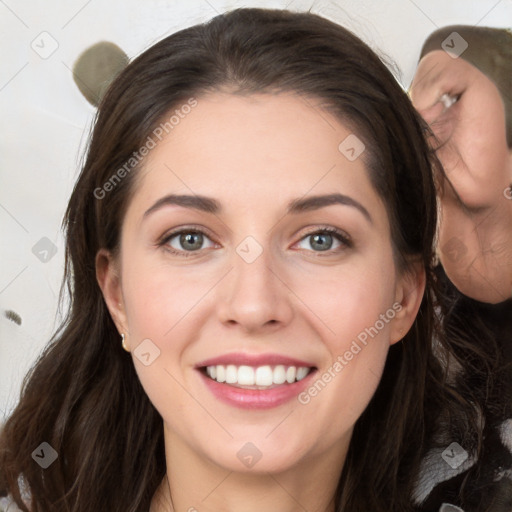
[[45, 121]]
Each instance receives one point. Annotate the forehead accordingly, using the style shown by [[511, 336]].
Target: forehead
[[269, 147]]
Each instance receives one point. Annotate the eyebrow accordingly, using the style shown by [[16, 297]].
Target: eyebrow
[[210, 205]]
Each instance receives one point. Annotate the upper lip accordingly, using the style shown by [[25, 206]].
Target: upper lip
[[255, 360]]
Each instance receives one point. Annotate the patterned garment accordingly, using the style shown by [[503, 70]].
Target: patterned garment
[[7, 505], [488, 481], [441, 478]]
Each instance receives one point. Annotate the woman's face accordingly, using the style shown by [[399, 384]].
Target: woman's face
[[225, 271]]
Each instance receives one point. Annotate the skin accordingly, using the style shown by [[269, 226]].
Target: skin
[[254, 155], [475, 237]]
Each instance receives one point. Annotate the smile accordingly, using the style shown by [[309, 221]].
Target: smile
[[261, 377], [255, 381]]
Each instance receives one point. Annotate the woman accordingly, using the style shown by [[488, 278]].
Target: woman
[[254, 222]]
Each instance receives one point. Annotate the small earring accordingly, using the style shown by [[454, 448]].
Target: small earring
[[123, 342]]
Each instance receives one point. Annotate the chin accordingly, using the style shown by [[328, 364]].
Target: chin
[[256, 457]]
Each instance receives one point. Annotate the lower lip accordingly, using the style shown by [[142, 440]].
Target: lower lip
[[256, 398]]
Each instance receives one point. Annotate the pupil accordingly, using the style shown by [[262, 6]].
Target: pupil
[[194, 239], [320, 241]]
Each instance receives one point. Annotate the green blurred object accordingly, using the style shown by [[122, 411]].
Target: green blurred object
[[96, 68], [489, 50]]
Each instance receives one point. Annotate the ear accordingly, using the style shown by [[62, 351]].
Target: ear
[[408, 296], [109, 280]]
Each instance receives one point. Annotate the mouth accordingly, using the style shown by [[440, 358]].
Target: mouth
[[255, 382], [260, 377]]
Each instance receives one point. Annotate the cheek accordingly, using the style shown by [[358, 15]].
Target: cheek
[[165, 305], [343, 389], [160, 304], [356, 309], [351, 299], [158, 297]]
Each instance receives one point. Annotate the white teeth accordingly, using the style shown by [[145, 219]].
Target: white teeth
[[291, 373], [279, 376], [262, 376], [231, 374], [246, 376], [301, 373], [221, 373]]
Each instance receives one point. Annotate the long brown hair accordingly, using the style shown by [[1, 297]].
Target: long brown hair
[[83, 396]]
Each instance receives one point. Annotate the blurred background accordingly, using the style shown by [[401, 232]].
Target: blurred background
[[45, 122]]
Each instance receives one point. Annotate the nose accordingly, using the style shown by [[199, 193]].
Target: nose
[[254, 296]]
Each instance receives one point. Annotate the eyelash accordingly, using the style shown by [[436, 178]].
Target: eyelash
[[342, 237]]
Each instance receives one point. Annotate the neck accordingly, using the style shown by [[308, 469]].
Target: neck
[[195, 484]]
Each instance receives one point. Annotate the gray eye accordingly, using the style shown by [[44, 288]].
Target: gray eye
[[188, 241], [321, 241]]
